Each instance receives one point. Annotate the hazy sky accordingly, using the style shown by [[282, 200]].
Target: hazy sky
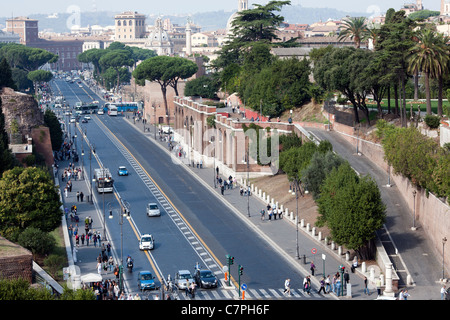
[[27, 7]]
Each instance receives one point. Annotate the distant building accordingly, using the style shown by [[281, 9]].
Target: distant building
[[445, 7], [26, 28], [129, 25], [9, 37], [412, 7], [159, 40]]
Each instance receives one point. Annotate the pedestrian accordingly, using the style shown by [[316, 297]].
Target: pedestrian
[[322, 286], [262, 214], [95, 239], [108, 249], [99, 268], [81, 196], [65, 192], [400, 295], [280, 213], [443, 292], [77, 240], [312, 267], [405, 295], [269, 213], [99, 239], [70, 231], [241, 191], [287, 287], [305, 280], [88, 237], [78, 196], [378, 284], [327, 284], [111, 263], [366, 288], [333, 284], [90, 222], [308, 285], [346, 277], [222, 188], [82, 239], [338, 285], [274, 212]]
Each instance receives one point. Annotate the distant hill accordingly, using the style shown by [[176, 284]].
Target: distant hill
[[207, 20]]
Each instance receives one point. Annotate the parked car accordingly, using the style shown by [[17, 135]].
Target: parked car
[[122, 171], [146, 280], [147, 242], [153, 210], [183, 278], [205, 279]]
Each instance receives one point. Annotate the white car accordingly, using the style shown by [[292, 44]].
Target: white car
[[87, 117], [153, 210], [100, 111], [147, 242], [72, 119], [183, 278]]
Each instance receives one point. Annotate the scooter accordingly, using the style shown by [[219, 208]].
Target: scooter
[[130, 265]]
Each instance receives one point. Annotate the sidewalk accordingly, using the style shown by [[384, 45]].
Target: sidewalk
[[85, 254], [281, 233]]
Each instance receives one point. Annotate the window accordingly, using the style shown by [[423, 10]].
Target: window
[[124, 22]]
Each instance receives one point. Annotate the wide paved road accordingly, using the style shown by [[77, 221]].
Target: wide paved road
[[194, 226]]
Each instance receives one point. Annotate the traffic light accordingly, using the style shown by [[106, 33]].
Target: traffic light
[[230, 259], [241, 270]]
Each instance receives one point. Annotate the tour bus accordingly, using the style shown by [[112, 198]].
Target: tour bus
[[124, 106], [103, 180], [86, 108], [112, 110]]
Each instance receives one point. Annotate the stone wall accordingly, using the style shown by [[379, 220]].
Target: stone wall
[[23, 109]]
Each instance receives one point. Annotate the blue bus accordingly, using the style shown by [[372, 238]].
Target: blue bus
[[122, 106]]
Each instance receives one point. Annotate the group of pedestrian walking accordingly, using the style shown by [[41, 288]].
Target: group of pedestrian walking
[[271, 213]]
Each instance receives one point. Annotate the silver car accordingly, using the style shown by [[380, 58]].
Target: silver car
[[183, 279], [153, 210]]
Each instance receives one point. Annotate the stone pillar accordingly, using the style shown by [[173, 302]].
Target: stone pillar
[[388, 289]]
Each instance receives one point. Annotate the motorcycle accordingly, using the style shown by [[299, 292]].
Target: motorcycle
[[130, 264]]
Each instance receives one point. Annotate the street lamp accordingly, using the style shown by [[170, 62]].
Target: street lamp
[[125, 209], [444, 240], [414, 210], [214, 160], [295, 189]]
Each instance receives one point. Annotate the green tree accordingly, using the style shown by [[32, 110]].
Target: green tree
[[354, 28], [20, 289], [205, 87], [39, 76], [7, 159], [161, 69], [6, 79], [181, 68], [28, 198], [26, 58], [352, 208], [37, 241], [429, 56], [116, 59]]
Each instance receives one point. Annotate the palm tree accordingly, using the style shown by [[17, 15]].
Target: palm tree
[[355, 29], [429, 56]]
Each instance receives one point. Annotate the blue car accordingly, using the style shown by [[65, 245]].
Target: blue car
[[123, 171], [145, 281]]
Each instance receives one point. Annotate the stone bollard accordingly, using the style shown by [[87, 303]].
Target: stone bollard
[[319, 237], [347, 256], [372, 274], [259, 193], [302, 223], [363, 267], [313, 231], [308, 227], [409, 279], [333, 245], [340, 250], [326, 240], [264, 196], [286, 212], [388, 289]]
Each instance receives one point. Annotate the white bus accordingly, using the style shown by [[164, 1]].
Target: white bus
[[112, 110], [103, 180]]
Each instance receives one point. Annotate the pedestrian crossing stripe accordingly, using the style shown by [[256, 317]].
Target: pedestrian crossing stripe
[[250, 294]]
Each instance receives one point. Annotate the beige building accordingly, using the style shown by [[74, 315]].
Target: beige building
[[129, 25], [25, 27], [445, 7]]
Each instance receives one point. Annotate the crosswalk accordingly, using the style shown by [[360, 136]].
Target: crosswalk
[[250, 294]]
